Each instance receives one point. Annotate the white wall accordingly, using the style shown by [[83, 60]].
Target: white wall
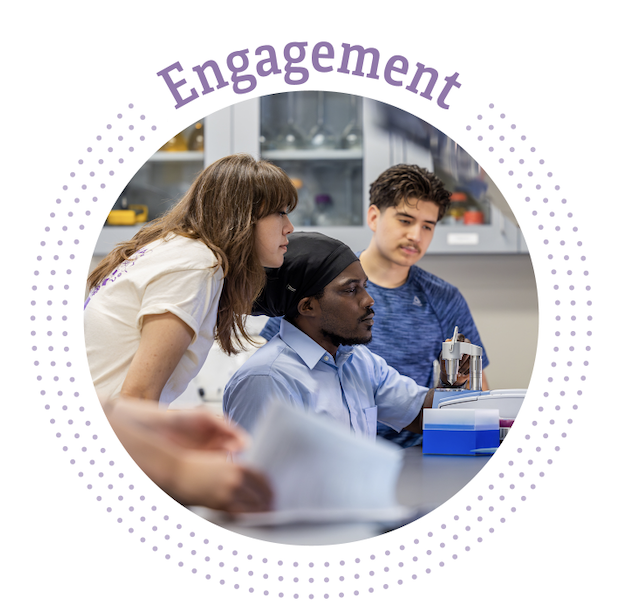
[[502, 295]]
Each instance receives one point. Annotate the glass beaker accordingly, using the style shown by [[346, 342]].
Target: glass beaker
[[289, 136], [351, 137], [321, 136]]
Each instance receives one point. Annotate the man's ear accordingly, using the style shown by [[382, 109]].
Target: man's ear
[[307, 306], [372, 217]]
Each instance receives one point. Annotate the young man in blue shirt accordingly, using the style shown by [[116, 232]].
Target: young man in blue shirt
[[415, 310]]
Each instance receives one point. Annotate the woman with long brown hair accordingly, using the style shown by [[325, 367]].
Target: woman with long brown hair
[[157, 302]]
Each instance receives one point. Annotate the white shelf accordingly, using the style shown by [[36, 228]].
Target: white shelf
[[313, 154], [498, 236], [177, 156]]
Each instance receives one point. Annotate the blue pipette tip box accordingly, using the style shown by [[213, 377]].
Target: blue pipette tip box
[[460, 431]]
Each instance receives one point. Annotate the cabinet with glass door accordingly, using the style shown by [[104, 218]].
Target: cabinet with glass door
[[157, 186], [333, 146]]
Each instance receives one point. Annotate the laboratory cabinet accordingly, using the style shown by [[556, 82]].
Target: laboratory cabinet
[[333, 146]]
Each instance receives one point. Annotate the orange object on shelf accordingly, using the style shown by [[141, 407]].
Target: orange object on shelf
[[473, 217], [459, 201]]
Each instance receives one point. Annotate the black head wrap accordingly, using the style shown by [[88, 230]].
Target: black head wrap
[[312, 261]]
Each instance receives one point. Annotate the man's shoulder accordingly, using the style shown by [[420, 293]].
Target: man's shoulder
[[429, 282], [268, 360], [363, 357]]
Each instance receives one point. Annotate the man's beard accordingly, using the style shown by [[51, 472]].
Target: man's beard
[[336, 340]]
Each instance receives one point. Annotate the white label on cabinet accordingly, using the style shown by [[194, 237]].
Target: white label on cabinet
[[471, 239]]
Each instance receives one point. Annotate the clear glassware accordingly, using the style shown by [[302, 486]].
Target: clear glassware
[[196, 138], [267, 140], [445, 152], [267, 129], [351, 137], [176, 144], [321, 136], [323, 209], [290, 136]]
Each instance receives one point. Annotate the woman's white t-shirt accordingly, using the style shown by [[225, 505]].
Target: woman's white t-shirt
[[177, 275]]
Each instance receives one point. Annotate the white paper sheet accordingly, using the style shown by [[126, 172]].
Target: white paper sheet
[[318, 469]]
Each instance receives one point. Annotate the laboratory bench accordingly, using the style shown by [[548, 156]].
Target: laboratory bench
[[425, 482]]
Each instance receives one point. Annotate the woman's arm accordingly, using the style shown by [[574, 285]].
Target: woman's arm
[[164, 339]]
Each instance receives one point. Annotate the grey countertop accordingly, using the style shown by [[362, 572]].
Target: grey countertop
[[425, 482]]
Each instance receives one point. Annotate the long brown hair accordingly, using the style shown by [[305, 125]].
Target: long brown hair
[[221, 209]]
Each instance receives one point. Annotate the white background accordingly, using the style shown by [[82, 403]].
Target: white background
[[69, 69]]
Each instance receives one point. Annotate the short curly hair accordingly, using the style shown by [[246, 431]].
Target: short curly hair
[[405, 181]]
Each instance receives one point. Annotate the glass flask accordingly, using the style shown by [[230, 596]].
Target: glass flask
[[176, 144], [290, 136], [351, 137], [196, 138], [321, 136]]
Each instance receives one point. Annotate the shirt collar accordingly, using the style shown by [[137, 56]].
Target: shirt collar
[[310, 351], [343, 354]]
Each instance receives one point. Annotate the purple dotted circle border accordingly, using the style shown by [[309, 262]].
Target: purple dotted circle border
[[150, 517]]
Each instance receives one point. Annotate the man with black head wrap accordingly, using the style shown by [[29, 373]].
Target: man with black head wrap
[[317, 362]]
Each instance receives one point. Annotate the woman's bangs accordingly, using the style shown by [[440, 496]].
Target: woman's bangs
[[276, 193]]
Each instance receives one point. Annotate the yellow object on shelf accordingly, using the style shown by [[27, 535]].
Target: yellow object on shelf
[[141, 212], [121, 217], [135, 213]]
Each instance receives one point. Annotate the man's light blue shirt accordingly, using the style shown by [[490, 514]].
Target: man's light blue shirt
[[356, 389]]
